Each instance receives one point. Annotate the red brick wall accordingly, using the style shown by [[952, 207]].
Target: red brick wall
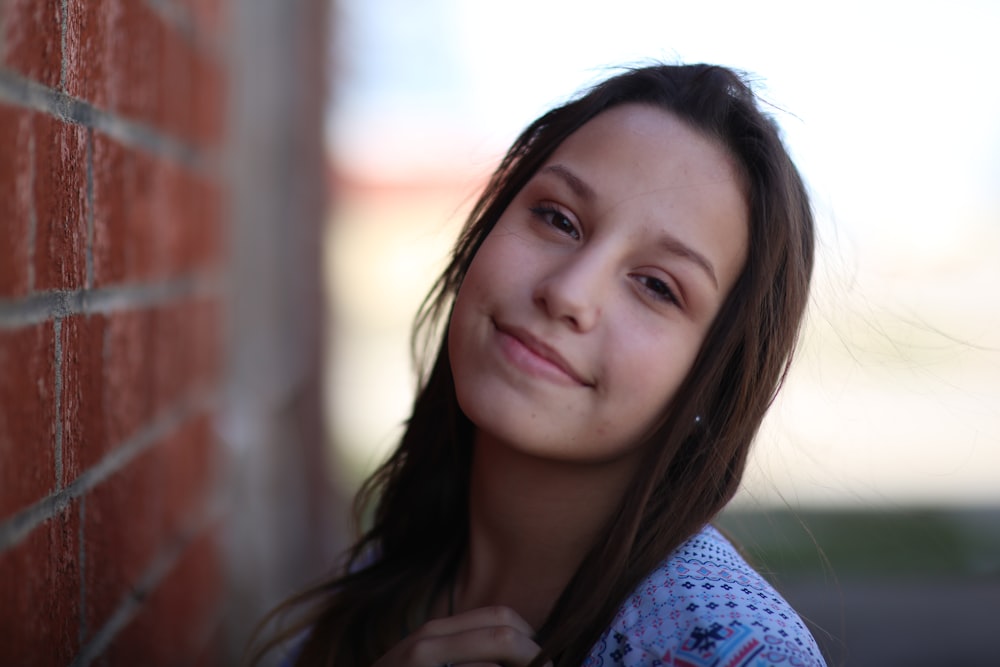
[[113, 213]]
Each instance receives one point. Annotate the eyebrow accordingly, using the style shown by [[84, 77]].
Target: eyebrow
[[669, 243], [675, 247], [575, 183]]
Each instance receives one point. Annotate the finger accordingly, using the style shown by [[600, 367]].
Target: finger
[[500, 644], [483, 617]]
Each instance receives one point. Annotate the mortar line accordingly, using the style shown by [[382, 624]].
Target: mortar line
[[19, 91], [19, 526], [57, 332], [43, 306], [62, 44], [161, 566]]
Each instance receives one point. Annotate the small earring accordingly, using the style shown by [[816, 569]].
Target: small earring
[[697, 419]]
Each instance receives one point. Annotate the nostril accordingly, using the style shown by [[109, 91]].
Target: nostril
[[572, 293]]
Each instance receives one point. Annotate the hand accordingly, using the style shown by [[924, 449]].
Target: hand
[[490, 635]]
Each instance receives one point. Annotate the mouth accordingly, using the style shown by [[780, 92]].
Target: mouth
[[536, 357]]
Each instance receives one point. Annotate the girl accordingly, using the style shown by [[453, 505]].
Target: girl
[[617, 317]]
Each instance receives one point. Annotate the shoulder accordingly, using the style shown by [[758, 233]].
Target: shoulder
[[705, 605]]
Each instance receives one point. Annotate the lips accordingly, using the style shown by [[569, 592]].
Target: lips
[[536, 357]]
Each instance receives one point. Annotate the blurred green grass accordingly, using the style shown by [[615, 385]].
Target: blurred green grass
[[886, 543]]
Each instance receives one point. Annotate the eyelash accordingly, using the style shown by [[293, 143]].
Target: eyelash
[[662, 291], [548, 214]]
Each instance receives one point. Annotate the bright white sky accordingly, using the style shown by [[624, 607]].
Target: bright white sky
[[892, 112], [893, 108]]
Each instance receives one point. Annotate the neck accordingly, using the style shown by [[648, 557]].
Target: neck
[[532, 521]]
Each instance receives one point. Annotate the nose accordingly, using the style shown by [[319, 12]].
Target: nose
[[574, 291]]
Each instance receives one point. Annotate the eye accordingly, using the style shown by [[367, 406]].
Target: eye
[[554, 218], [659, 289]]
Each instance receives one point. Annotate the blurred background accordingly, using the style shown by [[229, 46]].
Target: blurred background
[[219, 219], [873, 497]]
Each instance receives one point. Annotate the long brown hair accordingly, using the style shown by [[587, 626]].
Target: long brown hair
[[696, 453]]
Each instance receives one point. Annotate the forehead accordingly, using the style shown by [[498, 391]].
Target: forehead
[[641, 140], [653, 177], [645, 168]]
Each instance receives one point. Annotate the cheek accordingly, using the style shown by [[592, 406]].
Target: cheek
[[650, 370], [480, 291], [498, 272], [460, 329], [476, 286]]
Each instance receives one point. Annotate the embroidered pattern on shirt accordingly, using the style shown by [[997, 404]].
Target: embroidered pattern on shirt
[[705, 606]]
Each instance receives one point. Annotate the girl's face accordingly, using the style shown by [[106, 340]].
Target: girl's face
[[585, 306]]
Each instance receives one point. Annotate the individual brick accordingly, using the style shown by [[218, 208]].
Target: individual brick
[[214, 215], [113, 56], [136, 51], [128, 195], [39, 617], [115, 175], [128, 381], [153, 218], [43, 199], [195, 223], [178, 625], [16, 201], [60, 192], [27, 416], [178, 198], [122, 527], [178, 66], [173, 371], [88, 47], [188, 350], [189, 471], [84, 439], [211, 98], [32, 39], [209, 352]]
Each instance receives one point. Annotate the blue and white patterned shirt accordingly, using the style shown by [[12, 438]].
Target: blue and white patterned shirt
[[705, 606]]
